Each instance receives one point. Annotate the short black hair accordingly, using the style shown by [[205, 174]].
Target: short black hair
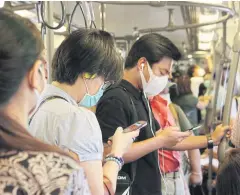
[[153, 47], [191, 70], [184, 85], [87, 51]]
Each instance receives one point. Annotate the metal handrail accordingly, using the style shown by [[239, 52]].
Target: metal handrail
[[229, 13], [186, 26]]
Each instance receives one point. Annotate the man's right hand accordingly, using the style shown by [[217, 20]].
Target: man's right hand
[[170, 136]]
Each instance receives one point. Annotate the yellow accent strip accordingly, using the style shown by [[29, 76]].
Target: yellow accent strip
[[89, 76]]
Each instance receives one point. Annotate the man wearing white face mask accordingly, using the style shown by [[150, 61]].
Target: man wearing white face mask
[[149, 58], [147, 69]]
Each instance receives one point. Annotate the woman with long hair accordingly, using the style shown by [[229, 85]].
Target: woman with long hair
[[27, 165]]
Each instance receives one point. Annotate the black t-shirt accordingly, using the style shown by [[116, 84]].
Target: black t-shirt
[[115, 110]]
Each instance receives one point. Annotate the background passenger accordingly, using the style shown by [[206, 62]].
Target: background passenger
[[187, 101], [195, 74]]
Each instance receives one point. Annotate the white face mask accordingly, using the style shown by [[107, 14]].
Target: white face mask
[[166, 97], [155, 85]]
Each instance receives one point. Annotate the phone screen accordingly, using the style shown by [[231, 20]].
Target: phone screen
[[195, 128], [135, 126]]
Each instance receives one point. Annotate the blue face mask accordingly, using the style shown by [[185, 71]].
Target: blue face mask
[[207, 83], [91, 100]]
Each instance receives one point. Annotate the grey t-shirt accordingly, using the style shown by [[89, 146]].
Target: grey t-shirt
[[63, 123], [188, 103], [183, 121]]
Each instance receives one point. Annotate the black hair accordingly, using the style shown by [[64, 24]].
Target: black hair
[[202, 90], [20, 46], [184, 85], [153, 47], [228, 177], [191, 70], [87, 51]]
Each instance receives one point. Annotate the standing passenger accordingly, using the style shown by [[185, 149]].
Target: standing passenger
[[147, 69], [84, 65], [149, 58]]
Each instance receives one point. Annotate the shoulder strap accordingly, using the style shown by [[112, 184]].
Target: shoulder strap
[[133, 120], [174, 113], [44, 101]]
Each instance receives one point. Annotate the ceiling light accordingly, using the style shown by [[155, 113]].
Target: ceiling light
[[1, 3], [204, 18], [204, 46], [205, 36], [62, 29], [189, 56], [207, 1], [25, 13]]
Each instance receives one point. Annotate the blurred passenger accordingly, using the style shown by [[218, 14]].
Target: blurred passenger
[[202, 92], [228, 176], [187, 101], [196, 74], [84, 65], [28, 166], [235, 108]]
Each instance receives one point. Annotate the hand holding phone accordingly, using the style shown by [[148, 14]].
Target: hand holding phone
[[120, 142], [136, 126]]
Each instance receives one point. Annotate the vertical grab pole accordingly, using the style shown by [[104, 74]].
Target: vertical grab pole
[[102, 13], [231, 82], [49, 37], [214, 103]]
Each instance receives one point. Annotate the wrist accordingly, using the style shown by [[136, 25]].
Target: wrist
[[116, 153], [210, 141], [196, 173], [215, 140], [112, 158], [159, 141]]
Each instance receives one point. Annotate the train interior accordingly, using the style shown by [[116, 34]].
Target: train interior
[[206, 33]]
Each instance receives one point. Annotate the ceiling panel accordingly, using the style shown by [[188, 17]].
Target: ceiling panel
[[121, 19]]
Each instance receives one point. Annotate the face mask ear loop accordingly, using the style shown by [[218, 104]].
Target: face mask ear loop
[[86, 86], [150, 72], [150, 120]]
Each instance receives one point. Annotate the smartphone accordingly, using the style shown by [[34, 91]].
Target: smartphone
[[195, 128], [135, 126]]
